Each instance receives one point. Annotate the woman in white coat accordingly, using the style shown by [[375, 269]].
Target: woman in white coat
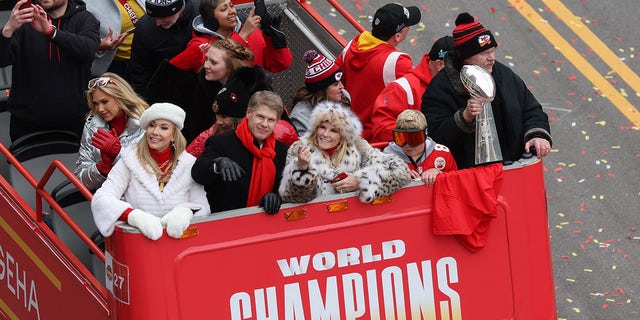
[[151, 186]]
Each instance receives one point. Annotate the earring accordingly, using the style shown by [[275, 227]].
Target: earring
[[173, 144]]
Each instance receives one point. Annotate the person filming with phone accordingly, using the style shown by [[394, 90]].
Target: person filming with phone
[[333, 158], [51, 46], [260, 32]]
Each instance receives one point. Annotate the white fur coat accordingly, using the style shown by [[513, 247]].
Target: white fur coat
[[128, 185], [378, 174]]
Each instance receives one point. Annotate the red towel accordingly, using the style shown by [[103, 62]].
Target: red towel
[[465, 201]]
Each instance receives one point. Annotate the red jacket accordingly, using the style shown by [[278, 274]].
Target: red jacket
[[399, 95], [265, 55], [369, 65]]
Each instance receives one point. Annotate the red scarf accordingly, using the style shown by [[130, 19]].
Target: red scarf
[[263, 172], [119, 122]]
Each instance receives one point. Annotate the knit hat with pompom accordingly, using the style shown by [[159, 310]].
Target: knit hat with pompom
[[470, 37], [321, 71]]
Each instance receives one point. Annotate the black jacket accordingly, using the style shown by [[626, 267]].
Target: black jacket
[[49, 77], [188, 90], [231, 195], [518, 115], [152, 44]]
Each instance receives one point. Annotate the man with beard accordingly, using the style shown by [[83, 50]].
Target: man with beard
[[51, 45], [161, 34]]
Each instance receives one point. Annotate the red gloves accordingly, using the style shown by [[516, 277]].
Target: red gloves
[[109, 145]]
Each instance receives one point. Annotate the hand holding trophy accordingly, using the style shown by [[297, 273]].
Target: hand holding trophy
[[479, 83]]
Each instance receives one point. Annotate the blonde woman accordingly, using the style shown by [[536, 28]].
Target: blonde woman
[[151, 187], [332, 158], [112, 123]]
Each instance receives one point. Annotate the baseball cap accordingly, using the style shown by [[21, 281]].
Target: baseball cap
[[163, 8], [441, 47], [392, 18]]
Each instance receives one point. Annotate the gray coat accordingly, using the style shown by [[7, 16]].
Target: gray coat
[[108, 13], [89, 155]]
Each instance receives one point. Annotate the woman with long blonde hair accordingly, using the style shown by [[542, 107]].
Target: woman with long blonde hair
[[112, 123], [151, 186]]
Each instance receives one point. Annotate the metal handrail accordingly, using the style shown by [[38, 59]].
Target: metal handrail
[[354, 22], [42, 193], [340, 9]]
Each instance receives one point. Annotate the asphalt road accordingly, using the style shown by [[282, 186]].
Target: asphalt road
[[580, 60]]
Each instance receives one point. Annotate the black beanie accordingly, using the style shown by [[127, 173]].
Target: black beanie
[[232, 100], [470, 37]]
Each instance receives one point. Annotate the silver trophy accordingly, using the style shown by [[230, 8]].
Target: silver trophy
[[479, 83]]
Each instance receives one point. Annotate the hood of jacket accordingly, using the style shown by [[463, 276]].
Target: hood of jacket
[[393, 148], [339, 115], [198, 26], [363, 47]]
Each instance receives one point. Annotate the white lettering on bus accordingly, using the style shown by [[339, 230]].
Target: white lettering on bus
[[320, 298], [343, 257], [16, 280]]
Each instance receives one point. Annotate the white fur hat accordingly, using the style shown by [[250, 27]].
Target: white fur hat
[[163, 110], [339, 115]]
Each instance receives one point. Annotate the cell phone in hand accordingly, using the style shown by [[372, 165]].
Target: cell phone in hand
[[126, 33], [340, 176], [261, 8], [26, 5]]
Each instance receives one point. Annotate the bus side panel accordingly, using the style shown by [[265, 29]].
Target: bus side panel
[[36, 280], [365, 262]]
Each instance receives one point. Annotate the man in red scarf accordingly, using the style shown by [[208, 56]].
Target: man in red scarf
[[243, 168]]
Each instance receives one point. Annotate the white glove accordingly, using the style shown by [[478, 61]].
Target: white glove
[[177, 221], [149, 225]]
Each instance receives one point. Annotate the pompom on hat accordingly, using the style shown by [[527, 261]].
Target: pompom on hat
[[340, 116], [321, 71], [470, 37], [163, 110], [163, 8]]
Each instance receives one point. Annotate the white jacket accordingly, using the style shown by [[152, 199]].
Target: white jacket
[[130, 186]]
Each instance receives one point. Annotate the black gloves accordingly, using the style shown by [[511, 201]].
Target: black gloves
[[271, 203], [271, 27], [229, 169]]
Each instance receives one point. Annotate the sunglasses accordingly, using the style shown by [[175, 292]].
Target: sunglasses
[[411, 137], [100, 82]]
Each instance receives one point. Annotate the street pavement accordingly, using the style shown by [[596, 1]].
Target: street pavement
[[580, 59]]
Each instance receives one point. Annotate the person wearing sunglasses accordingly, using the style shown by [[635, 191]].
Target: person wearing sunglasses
[[425, 158], [112, 123], [406, 92], [151, 186], [333, 158]]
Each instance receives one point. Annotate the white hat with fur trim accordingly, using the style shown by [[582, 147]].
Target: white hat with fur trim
[[339, 115], [163, 110]]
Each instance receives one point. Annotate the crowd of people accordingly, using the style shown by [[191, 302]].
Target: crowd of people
[[182, 118]]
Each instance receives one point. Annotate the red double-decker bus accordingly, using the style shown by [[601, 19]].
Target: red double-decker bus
[[333, 258]]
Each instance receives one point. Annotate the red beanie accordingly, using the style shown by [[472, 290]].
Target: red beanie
[[321, 71], [470, 37]]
